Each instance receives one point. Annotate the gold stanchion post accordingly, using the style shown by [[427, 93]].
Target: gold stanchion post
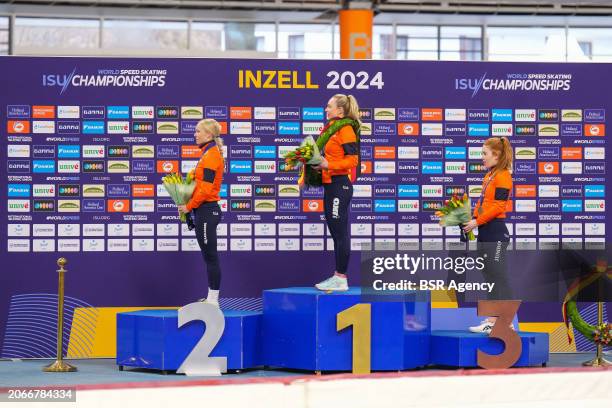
[[60, 366]]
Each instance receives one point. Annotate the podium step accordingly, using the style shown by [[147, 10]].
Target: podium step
[[299, 330], [151, 339], [459, 348]]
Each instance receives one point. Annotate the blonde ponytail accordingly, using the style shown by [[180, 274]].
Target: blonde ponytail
[[349, 106], [214, 128]]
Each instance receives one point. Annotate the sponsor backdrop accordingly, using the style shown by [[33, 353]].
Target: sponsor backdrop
[[86, 142]]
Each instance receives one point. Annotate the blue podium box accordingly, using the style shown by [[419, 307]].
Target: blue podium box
[[151, 339], [299, 330], [459, 348]]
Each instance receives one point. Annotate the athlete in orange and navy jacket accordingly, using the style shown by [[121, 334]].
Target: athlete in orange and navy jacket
[[204, 203], [495, 197], [208, 176], [342, 157], [489, 216], [341, 154]]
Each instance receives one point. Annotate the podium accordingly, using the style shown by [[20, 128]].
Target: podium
[[151, 339], [299, 330]]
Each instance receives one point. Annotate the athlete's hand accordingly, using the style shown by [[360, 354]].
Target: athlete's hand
[[470, 225], [183, 209], [323, 165]]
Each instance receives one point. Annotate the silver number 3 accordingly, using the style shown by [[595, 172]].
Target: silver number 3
[[199, 362]]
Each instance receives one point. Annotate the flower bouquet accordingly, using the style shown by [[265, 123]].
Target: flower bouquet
[[456, 211], [306, 156], [603, 334], [180, 189]]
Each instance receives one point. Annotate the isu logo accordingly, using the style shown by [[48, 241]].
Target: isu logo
[[167, 166], [118, 206]]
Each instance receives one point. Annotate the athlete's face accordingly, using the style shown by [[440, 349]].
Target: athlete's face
[[202, 136], [332, 110], [489, 159]]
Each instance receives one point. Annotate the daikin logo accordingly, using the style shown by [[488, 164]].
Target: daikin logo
[[19, 190], [288, 128], [384, 205], [452, 152], [312, 113], [478, 129], [501, 115], [118, 112], [407, 190]]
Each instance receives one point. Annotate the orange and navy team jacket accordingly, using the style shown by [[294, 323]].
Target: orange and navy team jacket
[[341, 153], [496, 197], [208, 175]]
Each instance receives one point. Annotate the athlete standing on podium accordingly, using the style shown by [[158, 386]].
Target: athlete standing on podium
[[208, 175], [341, 160], [489, 215]]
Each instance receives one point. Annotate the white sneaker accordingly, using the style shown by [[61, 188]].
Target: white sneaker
[[212, 302], [410, 324], [484, 327], [335, 283]]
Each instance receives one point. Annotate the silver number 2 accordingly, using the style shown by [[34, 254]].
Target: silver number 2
[[199, 362]]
